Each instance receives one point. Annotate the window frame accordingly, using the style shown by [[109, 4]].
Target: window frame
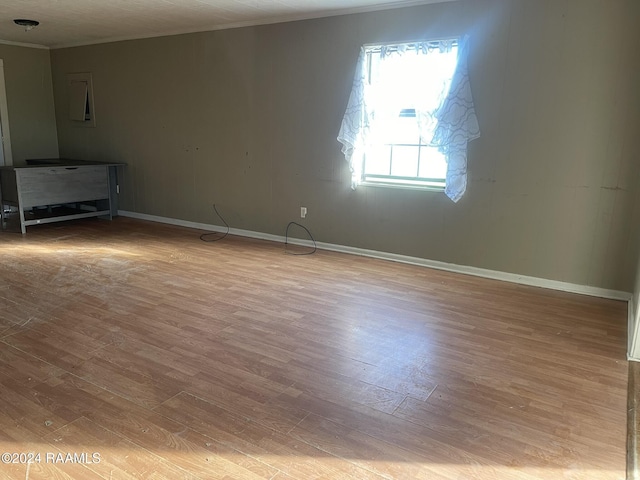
[[399, 181]]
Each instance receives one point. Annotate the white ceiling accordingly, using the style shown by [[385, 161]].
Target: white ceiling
[[81, 22]]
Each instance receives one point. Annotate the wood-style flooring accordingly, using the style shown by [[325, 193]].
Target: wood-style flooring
[[148, 353]]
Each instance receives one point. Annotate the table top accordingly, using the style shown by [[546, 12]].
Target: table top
[[59, 162]]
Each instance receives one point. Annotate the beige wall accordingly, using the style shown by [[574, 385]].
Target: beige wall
[[247, 119], [29, 89]]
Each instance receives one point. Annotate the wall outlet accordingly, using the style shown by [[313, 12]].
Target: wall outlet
[[303, 212]]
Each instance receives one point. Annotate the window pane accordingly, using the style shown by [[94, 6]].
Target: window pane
[[403, 130], [432, 163], [404, 162], [377, 161]]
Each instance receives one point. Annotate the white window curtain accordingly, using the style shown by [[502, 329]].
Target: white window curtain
[[456, 126], [445, 108], [354, 131]]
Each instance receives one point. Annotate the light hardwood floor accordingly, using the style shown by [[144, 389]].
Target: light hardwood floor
[[174, 358]]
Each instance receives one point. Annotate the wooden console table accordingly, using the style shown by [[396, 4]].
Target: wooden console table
[[53, 190]]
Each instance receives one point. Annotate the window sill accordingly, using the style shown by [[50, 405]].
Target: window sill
[[403, 186]]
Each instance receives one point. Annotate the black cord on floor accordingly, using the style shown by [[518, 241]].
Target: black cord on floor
[[205, 236], [286, 240]]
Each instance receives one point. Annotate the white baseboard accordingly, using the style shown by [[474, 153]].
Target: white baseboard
[[449, 267]]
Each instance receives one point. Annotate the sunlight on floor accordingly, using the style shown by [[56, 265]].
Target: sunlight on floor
[[57, 249], [214, 460]]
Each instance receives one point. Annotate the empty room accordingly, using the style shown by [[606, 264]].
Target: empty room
[[353, 239]]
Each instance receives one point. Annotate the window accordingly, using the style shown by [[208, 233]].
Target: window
[[79, 101], [410, 116], [405, 83], [80, 87]]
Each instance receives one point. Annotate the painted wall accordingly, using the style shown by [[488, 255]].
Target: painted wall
[[29, 88], [248, 118]]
